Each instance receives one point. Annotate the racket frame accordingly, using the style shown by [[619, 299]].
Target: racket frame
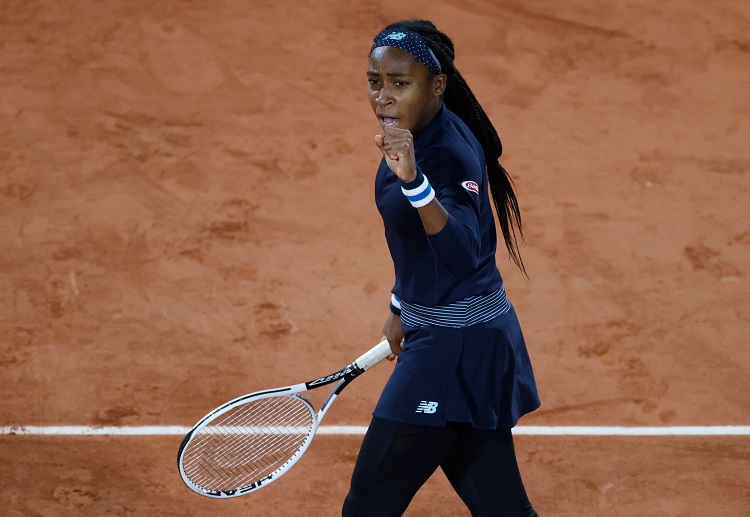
[[342, 378]]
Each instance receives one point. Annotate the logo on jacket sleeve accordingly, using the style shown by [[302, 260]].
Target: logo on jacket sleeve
[[471, 186], [427, 407]]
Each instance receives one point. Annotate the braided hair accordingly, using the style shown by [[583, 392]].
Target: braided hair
[[460, 99]]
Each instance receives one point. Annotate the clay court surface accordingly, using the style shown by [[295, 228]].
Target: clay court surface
[[187, 215]]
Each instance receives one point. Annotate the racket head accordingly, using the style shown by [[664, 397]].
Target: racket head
[[246, 444]]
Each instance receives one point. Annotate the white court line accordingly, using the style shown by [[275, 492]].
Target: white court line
[[78, 430]]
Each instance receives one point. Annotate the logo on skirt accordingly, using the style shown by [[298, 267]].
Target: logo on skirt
[[427, 407]]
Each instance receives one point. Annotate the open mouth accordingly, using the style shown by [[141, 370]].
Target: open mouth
[[388, 121]]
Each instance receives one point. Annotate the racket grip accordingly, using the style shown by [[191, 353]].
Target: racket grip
[[374, 355]]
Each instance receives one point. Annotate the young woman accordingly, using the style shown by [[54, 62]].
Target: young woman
[[463, 376]]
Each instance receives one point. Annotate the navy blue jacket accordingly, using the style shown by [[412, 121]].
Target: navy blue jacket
[[459, 261]]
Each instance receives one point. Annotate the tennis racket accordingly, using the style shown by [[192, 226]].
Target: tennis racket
[[252, 440]]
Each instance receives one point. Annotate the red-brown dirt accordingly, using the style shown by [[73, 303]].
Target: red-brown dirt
[[186, 201]]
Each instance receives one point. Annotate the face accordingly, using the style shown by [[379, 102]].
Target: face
[[401, 90]]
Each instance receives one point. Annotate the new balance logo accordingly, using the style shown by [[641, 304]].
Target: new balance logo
[[426, 407], [396, 36]]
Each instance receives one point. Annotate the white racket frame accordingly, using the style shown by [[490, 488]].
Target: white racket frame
[[342, 378]]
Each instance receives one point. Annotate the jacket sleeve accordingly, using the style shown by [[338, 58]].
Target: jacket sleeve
[[457, 246]]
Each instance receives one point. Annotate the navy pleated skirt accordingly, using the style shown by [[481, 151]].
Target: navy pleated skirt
[[480, 375]]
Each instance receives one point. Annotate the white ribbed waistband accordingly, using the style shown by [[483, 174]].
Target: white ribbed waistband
[[469, 311]]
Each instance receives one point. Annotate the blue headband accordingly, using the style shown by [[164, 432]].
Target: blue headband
[[412, 43]]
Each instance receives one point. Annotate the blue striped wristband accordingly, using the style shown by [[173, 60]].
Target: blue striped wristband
[[419, 192], [395, 305]]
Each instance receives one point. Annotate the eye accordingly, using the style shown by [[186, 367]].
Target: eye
[[401, 83], [373, 82]]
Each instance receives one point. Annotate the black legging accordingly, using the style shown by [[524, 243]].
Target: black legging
[[397, 459]]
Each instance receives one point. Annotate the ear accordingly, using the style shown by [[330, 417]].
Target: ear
[[439, 84]]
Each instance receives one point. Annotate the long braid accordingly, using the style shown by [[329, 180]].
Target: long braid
[[461, 100]]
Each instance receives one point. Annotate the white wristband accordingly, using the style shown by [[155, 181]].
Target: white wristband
[[421, 194]]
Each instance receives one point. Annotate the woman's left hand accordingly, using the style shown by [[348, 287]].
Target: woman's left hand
[[397, 146]]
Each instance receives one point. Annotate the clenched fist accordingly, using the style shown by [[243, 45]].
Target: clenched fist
[[397, 146]]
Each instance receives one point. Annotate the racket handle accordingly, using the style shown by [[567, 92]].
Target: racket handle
[[374, 355]]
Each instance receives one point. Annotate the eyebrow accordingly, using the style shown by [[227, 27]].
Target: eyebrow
[[389, 74]]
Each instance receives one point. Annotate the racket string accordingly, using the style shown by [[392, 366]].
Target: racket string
[[266, 452], [228, 427], [248, 442], [257, 454]]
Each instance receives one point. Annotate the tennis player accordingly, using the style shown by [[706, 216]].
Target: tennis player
[[463, 376]]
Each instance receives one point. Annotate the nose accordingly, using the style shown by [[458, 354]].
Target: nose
[[383, 97]]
